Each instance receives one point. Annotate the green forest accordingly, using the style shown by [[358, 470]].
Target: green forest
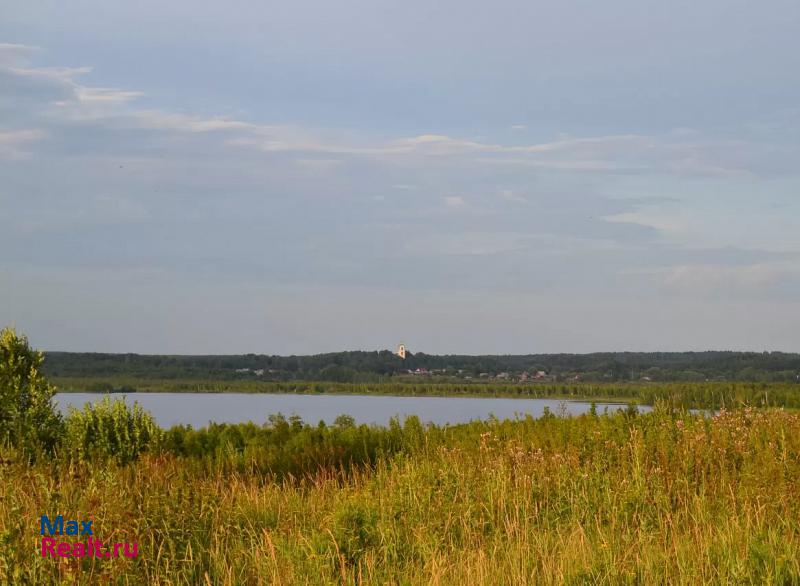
[[379, 366]]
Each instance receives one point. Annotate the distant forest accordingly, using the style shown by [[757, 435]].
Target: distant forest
[[362, 366]]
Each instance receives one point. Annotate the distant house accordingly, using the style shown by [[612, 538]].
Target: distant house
[[242, 370], [259, 372], [540, 374]]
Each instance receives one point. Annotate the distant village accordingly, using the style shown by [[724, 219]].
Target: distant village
[[401, 351], [538, 375], [522, 376], [525, 376]]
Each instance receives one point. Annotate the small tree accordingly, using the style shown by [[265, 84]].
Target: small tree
[[28, 419]]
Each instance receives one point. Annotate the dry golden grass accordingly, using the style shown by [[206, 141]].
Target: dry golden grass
[[653, 499]]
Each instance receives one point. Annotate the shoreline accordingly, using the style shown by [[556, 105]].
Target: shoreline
[[565, 398]]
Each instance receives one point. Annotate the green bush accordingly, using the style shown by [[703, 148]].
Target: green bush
[[28, 419], [110, 430]]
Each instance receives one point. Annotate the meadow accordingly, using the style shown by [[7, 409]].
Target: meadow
[[622, 498], [668, 497]]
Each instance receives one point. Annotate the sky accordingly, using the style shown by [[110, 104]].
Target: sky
[[466, 177]]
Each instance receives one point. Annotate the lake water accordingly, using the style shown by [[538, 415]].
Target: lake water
[[198, 409]]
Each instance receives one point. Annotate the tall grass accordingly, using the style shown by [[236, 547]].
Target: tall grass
[[648, 499]]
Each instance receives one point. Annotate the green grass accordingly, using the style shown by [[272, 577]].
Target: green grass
[[662, 498]]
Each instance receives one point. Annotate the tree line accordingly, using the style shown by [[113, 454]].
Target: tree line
[[381, 366]]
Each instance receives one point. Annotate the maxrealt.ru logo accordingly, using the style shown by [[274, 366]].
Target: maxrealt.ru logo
[[52, 547]]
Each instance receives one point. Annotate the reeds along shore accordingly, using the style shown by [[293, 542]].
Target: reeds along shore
[[691, 395], [665, 497]]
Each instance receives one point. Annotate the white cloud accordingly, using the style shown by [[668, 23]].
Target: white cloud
[[63, 74], [12, 142], [13, 137], [436, 144], [435, 163], [705, 278], [473, 244], [676, 153], [100, 94], [454, 202], [157, 120], [11, 53], [511, 195]]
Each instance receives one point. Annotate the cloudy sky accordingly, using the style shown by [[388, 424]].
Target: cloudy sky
[[465, 176]]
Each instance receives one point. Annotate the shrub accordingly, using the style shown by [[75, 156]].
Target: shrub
[[28, 419], [110, 430]]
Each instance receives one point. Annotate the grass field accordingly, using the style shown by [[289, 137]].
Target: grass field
[[660, 498]]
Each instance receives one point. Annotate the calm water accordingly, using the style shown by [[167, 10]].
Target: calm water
[[198, 409]]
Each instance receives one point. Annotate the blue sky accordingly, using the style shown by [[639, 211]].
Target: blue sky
[[465, 176]]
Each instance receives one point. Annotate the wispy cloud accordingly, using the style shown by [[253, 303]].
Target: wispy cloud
[[156, 120], [12, 137], [263, 201], [500, 179], [100, 94], [454, 202], [511, 195], [681, 153], [13, 142], [701, 278], [14, 53]]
